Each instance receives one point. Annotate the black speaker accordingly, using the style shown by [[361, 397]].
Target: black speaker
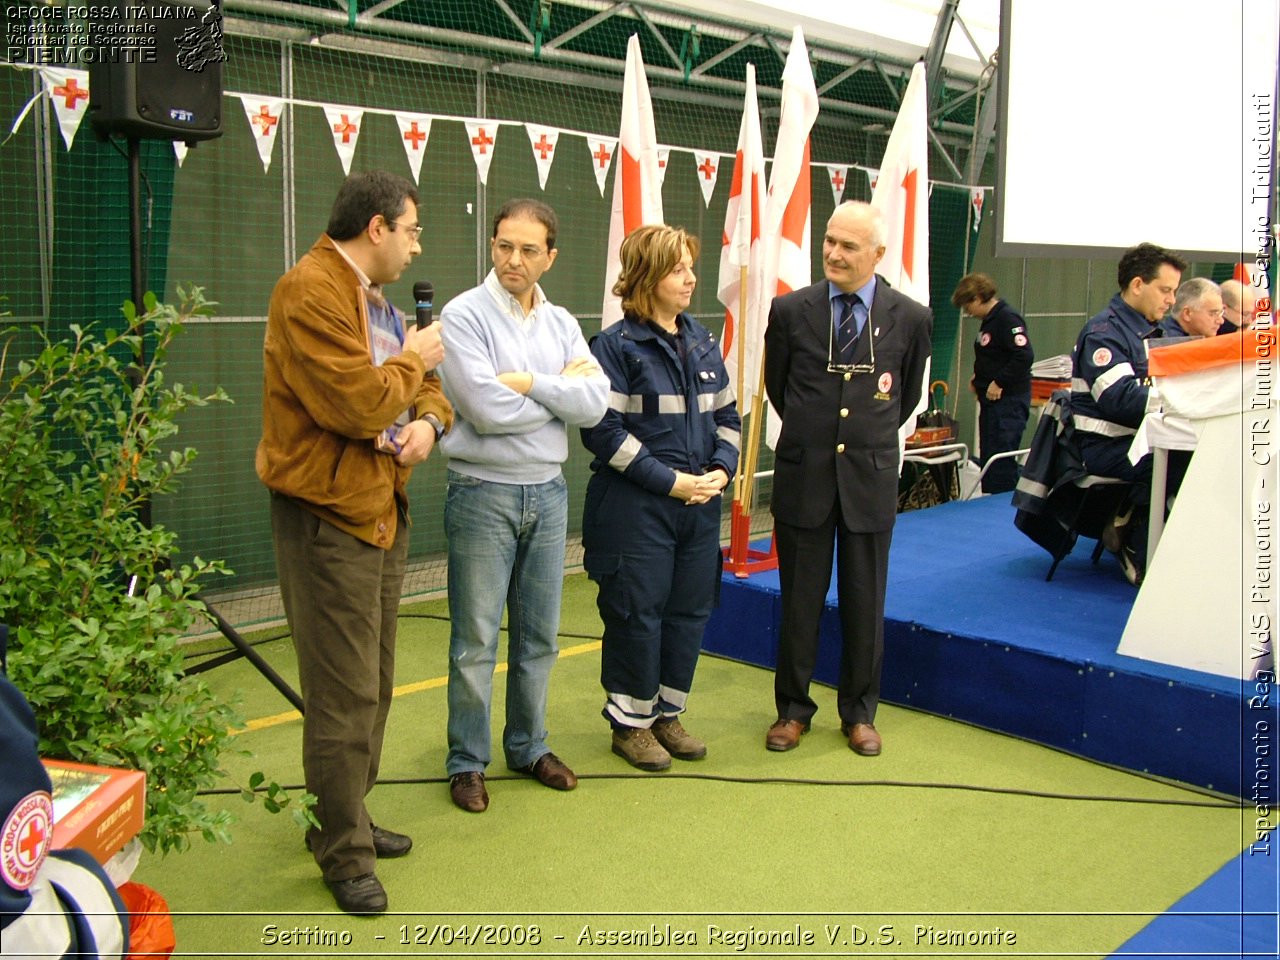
[[157, 71]]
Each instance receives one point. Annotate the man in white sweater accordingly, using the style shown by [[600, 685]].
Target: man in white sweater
[[518, 373]]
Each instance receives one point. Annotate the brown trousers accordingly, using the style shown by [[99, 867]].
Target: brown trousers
[[342, 597]]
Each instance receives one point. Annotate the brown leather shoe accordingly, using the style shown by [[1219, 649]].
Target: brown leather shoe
[[551, 771], [362, 895], [864, 739], [785, 734], [468, 792]]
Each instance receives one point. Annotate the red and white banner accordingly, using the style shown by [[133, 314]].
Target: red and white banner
[[786, 264], [415, 129], [637, 187], [741, 246], [839, 177], [344, 124], [482, 134], [902, 197], [902, 194], [708, 167], [873, 176], [602, 151], [543, 140], [69, 93], [977, 196], [264, 114]]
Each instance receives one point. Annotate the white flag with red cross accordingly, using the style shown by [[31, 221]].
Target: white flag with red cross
[[637, 188], [873, 176], [482, 135], [69, 93], [264, 116], [839, 176], [902, 197], [977, 196], [344, 125], [664, 154], [602, 150], [543, 140], [708, 168], [741, 246], [788, 210], [415, 129]]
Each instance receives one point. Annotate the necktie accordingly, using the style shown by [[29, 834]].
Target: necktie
[[847, 327]]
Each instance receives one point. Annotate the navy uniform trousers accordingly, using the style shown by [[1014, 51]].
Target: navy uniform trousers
[[657, 562]]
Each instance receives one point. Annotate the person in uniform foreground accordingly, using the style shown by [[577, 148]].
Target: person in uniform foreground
[[664, 451]]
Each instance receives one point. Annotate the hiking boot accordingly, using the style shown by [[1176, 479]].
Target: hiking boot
[[637, 746], [679, 742]]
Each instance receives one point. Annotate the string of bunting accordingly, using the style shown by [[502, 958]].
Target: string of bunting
[[68, 93]]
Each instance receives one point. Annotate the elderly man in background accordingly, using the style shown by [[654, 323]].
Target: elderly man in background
[[1197, 310], [1239, 306]]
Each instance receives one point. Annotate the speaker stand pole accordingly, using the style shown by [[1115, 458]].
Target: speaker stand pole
[[138, 284]]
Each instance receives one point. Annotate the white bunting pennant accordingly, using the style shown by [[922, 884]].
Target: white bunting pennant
[[482, 136], [664, 154], [414, 130], [180, 151], [543, 140], [344, 124], [708, 166], [976, 197], [872, 176], [69, 92], [839, 177], [264, 118], [602, 149]]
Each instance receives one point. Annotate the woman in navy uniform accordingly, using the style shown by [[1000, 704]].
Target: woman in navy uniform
[[665, 449], [1002, 358]]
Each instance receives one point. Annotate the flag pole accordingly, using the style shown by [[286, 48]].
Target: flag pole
[[741, 348]]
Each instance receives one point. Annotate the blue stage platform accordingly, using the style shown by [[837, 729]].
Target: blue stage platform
[[973, 632]]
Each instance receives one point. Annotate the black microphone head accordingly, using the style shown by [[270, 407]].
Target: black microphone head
[[424, 292]]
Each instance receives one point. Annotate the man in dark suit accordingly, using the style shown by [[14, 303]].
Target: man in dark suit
[[845, 364]]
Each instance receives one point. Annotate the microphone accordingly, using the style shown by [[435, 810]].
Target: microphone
[[423, 293]]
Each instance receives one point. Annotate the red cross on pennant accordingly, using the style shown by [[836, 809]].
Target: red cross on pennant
[[30, 842], [414, 135], [265, 120], [836, 180], [346, 128], [662, 162], [482, 140], [543, 146], [72, 91], [602, 156], [707, 168]]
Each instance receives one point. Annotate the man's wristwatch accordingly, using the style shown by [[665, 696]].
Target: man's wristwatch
[[436, 423]]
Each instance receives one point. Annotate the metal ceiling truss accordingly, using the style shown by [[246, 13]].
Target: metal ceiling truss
[[684, 77]]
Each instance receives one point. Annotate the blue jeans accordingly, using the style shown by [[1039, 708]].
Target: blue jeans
[[506, 547]]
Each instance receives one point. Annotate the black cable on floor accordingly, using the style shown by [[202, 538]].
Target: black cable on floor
[[806, 782]]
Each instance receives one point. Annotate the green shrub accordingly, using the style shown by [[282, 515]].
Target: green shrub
[[95, 607]]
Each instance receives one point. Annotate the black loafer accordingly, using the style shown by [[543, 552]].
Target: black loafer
[[362, 895], [387, 844]]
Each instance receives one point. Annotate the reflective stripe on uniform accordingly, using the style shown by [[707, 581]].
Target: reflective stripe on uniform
[[626, 453], [730, 436], [1108, 378], [1104, 427]]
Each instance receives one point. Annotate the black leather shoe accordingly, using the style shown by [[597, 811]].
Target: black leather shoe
[[387, 844], [551, 771], [468, 792], [362, 895]]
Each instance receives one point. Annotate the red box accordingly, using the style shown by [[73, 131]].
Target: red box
[[98, 809], [930, 437], [1041, 388]]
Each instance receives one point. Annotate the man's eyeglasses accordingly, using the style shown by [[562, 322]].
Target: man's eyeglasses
[[412, 229], [527, 252], [834, 366]]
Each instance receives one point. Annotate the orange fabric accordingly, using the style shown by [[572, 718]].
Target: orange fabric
[[1243, 346], [150, 923]]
